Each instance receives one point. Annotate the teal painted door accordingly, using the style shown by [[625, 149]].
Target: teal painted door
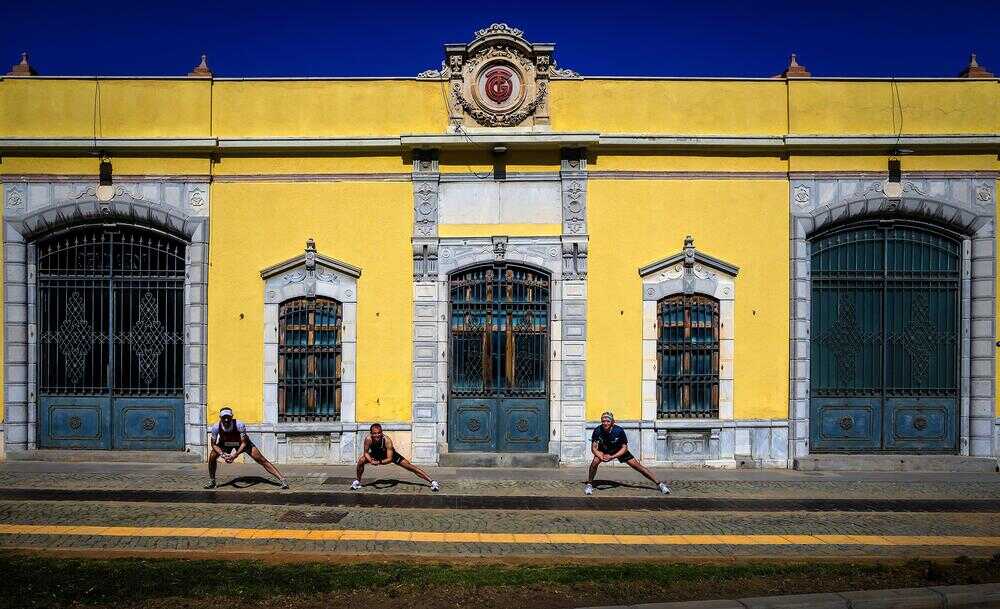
[[110, 310], [498, 360], [885, 340]]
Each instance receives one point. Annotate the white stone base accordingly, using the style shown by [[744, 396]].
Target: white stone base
[[322, 443]]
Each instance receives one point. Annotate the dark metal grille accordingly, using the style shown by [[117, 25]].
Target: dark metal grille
[[687, 348], [110, 313], [309, 360], [885, 313], [499, 332]]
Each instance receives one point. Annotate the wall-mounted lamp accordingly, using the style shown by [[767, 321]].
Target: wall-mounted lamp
[[894, 185], [105, 185], [499, 163]]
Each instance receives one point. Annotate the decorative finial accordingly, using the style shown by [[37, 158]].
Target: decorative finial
[[499, 29], [201, 70], [794, 69], [974, 70], [23, 68], [688, 241], [310, 254]]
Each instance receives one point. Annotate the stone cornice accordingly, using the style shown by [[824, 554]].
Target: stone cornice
[[773, 144]]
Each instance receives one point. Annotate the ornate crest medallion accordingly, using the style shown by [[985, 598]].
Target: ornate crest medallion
[[498, 80]]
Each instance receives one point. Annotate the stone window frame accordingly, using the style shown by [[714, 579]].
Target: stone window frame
[[35, 207], [688, 272], [309, 275], [964, 203]]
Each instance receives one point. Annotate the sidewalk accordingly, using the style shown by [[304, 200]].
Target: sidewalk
[[562, 482]]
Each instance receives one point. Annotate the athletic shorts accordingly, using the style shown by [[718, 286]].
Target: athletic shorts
[[626, 457], [396, 458]]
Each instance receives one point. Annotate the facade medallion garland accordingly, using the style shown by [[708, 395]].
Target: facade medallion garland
[[498, 80]]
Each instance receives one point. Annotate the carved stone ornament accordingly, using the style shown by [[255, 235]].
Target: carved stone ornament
[[499, 79]]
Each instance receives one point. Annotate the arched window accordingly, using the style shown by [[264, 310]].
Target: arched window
[[310, 334], [687, 348]]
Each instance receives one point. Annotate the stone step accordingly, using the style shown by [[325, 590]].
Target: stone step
[[532, 460], [104, 456], [897, 463]]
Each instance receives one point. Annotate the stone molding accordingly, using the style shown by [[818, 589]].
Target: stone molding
[[563, 257], [309, 275], [963, 205], [713, 443], [688, 272], [35, 209]]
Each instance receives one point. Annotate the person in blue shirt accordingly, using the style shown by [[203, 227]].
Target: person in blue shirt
[[610, 442]]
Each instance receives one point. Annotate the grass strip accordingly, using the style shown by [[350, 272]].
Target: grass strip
[[47, 582]]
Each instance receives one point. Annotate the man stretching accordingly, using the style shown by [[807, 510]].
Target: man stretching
[[379, 450], [229, 440], [609, 442]]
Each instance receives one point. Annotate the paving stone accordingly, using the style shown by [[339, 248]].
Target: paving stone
[[798, 601], [984, 596], [906, 598]]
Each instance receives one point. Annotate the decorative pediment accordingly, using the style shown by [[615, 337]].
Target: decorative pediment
[[311, 274], [688, 272], [690, 259], [311, 262], [499, 79]]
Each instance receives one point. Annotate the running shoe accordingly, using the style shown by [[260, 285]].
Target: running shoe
[[434, 486], [355, 485], [588, 490], [284, 484], [664, 488], [211, 484]]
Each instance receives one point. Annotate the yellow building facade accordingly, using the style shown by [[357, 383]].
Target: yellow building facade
[[486, 257]]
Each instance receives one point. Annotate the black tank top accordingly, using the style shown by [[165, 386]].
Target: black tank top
[[377, 451]]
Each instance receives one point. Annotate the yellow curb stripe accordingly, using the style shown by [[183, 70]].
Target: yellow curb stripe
[[498, 538]]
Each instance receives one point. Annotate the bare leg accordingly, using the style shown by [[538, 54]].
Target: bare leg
[[213, 464], [593, 470], [405, 464], [639, 467], [361, 467], [267, 465]]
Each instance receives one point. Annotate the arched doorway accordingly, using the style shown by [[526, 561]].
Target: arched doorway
[[885, 339], [110, 323], [498, 373]]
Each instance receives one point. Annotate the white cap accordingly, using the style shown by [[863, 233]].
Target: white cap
[[226, 411]]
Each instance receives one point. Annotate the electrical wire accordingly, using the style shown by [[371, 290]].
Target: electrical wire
[[459, 129]]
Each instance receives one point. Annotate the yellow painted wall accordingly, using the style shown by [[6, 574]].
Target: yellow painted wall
[[89, 166], [256, 225], [71, 108], [321, 108], [633, 223], [669, 106], [887, 107]]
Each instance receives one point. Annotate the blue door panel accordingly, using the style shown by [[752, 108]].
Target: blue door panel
[[523, 425], [148, 424], [921, 424], [74, 422], [845, 424], [472, 425]]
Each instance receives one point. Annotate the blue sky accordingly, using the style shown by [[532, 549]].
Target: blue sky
[[347, 38]]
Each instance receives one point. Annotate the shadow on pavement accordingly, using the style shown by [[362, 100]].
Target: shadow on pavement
[[391, 483], [604, 485], [249, 481]]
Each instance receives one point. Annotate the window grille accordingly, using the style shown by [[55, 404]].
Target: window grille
[[310, 333], [687, 349]]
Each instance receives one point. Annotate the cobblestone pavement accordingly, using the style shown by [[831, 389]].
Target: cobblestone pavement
[[946, 534], [154, 519], [559, 482]]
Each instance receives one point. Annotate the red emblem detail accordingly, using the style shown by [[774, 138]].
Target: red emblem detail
[[499, 84]]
